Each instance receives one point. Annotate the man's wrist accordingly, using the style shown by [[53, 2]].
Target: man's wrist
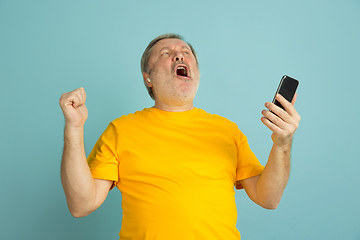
[[284, 144], [74, 127], [73, 136]]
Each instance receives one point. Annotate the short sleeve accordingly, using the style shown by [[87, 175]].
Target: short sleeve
[[247, 164], [103, 160]]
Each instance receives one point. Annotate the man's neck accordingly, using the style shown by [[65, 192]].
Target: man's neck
[[174, 108]]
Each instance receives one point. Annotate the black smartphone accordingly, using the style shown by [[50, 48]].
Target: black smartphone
[[287, 89]]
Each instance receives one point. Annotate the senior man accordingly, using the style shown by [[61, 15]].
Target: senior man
[[175, 165]]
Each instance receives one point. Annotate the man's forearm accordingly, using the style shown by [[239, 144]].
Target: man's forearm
[[272, 182], [76, 177]]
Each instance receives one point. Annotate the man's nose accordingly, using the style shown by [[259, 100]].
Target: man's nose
[[178, 56]]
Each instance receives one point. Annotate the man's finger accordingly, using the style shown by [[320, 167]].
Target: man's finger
[[75, 98], [273, 127], [294, 99], [289, 107]]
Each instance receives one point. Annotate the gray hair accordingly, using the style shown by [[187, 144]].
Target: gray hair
[[147, 53]]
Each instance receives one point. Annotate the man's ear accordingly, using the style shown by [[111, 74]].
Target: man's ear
[[147, 80]]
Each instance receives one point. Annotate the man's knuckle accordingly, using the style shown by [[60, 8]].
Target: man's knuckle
[[281, 114], [275, 120]]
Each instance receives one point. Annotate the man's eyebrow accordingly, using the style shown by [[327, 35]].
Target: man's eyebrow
[[167, 48], [185, 47], [163, 49]]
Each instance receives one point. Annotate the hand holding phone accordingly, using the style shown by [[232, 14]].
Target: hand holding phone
[[287, 89], [282, 124]]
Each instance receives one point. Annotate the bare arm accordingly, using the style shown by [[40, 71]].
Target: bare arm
[[267, 188], [83, 193]]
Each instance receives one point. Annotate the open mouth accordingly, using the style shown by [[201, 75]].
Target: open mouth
[[182, 71]]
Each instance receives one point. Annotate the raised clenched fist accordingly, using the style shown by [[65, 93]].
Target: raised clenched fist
[[73, 107]]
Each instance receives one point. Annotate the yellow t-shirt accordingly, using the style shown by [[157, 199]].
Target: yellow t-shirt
[[176, 172]]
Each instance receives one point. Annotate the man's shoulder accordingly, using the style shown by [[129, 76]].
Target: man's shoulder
[[218, 119], [130, 117], [214, 116]]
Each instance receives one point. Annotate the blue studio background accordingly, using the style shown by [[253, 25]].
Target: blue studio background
[[244, 47]]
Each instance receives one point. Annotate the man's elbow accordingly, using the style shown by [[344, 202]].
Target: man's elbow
[[270, 205], [76, 213]]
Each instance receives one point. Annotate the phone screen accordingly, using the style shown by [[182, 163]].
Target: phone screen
[[287, 89]]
